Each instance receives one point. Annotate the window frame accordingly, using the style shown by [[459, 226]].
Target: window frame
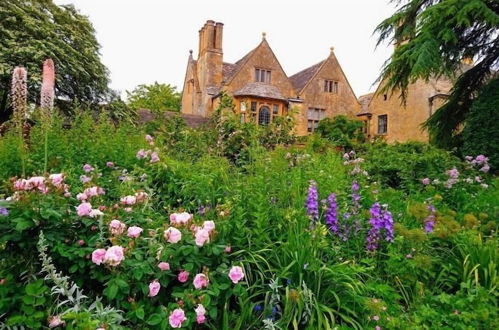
[[313, 120], [263, 75], [382, 129]]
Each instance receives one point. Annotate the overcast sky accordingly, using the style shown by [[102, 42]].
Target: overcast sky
[[144, 41]]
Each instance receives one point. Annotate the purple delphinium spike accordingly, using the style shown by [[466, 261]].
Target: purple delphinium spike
[[429, 222], [332, 214], [381, 222], [375, 222], [312, 204], [388, 225], [355, 197]]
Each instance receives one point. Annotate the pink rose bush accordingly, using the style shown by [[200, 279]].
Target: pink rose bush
[[42, 184], [200, 314]]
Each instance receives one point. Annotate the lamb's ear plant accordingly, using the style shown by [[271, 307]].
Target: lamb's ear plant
[[71, 297], [47, 103], [18, 98]]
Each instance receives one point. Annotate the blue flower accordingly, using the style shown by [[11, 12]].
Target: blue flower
[[257, 308]]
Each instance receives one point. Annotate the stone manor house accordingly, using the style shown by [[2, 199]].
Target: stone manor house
[[261, 91]]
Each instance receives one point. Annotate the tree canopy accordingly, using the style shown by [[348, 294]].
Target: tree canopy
[[34, 30], [156, 97], [433, 37]]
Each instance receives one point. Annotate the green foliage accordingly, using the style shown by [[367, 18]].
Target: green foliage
[[405, 165], [433, 37], [295, 277], [342, 131], [156, 97], [32, 31], [481, 131]]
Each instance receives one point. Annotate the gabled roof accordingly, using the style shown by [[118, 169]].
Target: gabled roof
[[229, 70], [260, 89], [364, 101], [300, 79]]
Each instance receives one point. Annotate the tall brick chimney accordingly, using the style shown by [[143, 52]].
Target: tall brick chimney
[[210, 59]]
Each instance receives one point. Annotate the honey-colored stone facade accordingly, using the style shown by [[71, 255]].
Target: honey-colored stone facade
[[260, 98], [404, 120]]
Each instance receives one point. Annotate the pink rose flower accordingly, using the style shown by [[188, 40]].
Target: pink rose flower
[[95, 213], [164, 266], [84, 179], [81, 197], [200, 281], [208, 226], [149, 138], [228, 249], [128, 200], [114, 255], [81, 242], [200, 314], [173, 235], [180, 218], [154, 287], [88, 168], [94, 191], [236, 274], [134, 231], [36, 182], [154, 157], [98, 256], [57, 179], [110, 164], [55, 321], [84, 209], [176, 318], [183, 276], [202, 236], [141, 154], [116, 227], [20, 184], [426, 181]]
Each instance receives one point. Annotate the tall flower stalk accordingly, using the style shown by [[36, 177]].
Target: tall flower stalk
[[381, 222], [312, 204], [47, 102], [18, 98], [332, 214]]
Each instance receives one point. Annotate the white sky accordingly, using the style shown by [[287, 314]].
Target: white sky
[[144, 41]]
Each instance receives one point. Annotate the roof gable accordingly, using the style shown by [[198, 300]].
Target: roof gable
[[262, 56], [300, 79]]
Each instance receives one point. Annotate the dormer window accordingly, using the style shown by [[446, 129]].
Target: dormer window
[[331, 86], [262, 75]]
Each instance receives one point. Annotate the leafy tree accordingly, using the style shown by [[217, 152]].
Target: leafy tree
[[34, 30], [481, 132], [433, 37], [156, 97], [341, 130]]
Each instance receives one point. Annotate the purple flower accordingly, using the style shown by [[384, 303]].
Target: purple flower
[[4, 212], [381, 222], [426, 181], [332, 214], [312, 203], [453, 173], [84, 179], [88, 168], [429, 222]]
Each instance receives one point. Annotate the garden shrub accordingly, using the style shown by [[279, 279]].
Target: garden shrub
[[481, 130], [343, 132]]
